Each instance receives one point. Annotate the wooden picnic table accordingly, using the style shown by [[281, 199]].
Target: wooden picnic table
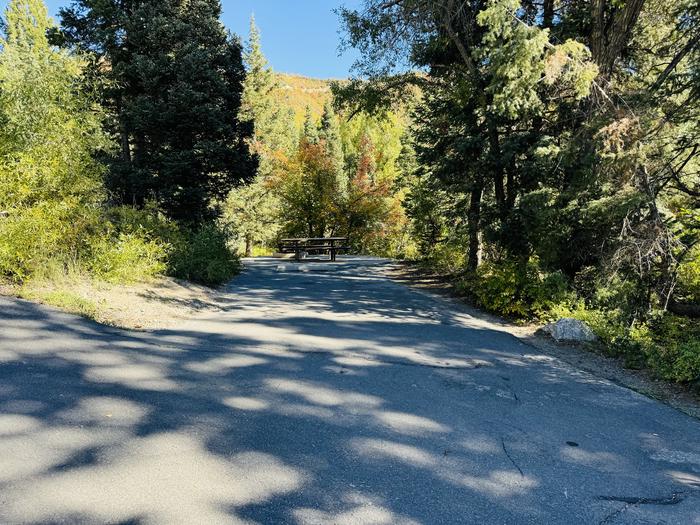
[[330, 245]]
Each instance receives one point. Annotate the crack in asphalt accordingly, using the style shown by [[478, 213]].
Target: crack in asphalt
[[505, 450], [673, 499]]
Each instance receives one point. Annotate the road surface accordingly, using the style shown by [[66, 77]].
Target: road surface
[[324, 394]]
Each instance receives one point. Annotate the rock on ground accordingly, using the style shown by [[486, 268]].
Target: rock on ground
[[570, 330]]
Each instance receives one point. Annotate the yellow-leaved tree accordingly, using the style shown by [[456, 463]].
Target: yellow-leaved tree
[[50, 183]]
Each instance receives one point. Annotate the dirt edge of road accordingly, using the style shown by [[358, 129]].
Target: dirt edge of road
[[158, 304], [599, 365]]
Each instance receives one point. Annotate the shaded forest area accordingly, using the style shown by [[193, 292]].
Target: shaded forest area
[[543, 154]]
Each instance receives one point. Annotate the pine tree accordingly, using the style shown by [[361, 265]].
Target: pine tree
[[309, 132], [272, 131], [329, 136], [329, 131], [253, 209], [258, 105], [174, 88]]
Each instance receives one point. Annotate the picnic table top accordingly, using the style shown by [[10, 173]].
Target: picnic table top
[[306, 239]]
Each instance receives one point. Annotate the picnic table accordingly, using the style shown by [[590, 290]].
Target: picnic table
[[314, 245]]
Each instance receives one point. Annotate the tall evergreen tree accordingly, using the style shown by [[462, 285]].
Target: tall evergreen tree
[[260, 81], [271, 122], [329, 131], [329, 135], [174, 86], [309, 131], [253, 209]]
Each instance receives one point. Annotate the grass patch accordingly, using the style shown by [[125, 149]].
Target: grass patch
[[66, 300]]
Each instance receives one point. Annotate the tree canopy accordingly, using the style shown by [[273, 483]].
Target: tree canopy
[[173, 82]]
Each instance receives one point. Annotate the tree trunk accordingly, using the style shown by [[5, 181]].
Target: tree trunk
[[248, 245], [474, 228], [548, 14], [611, 30], [124, 139]]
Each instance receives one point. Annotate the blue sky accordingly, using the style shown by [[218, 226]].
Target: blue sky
[[299, 36]]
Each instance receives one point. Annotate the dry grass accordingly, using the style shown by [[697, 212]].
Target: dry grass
[[161, 303]]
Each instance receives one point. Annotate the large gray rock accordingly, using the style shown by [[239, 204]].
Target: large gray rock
[[568, 330]]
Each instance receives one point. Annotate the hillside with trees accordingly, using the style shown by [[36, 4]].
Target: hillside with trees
[[320, 173], [299, 92]]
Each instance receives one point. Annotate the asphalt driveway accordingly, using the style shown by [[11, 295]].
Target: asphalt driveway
[[324, 394]]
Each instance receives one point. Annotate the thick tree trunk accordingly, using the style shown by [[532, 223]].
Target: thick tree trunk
[[611, 30], [474, 228], [248, 245], [124, 140]]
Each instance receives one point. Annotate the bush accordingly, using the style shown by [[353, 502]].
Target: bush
[[516, 289], [689, 276], [667, 345], [69, 236], [128, 258], [671, 347], [149, 223], [607, 324], [446, 258], [204, 256], [31, 237]]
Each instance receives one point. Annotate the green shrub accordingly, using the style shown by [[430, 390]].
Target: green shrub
[[446, 258], [671, 347], [69, 236], [667, 345], [31, 237], [128, 258], [516, 289], [607, 324], [204, 256], [149, 223], [689, 276]]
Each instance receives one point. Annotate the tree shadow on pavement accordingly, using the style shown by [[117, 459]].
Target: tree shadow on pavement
[[321, 398]]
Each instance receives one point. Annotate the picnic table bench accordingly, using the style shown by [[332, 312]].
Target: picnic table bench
[[314, 245]]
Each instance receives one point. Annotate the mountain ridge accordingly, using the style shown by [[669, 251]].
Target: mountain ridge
[[299, 92]]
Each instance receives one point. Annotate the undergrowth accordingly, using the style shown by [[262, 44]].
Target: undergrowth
[[665, 344]]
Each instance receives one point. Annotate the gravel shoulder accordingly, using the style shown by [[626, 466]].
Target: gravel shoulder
[[158, 304]]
